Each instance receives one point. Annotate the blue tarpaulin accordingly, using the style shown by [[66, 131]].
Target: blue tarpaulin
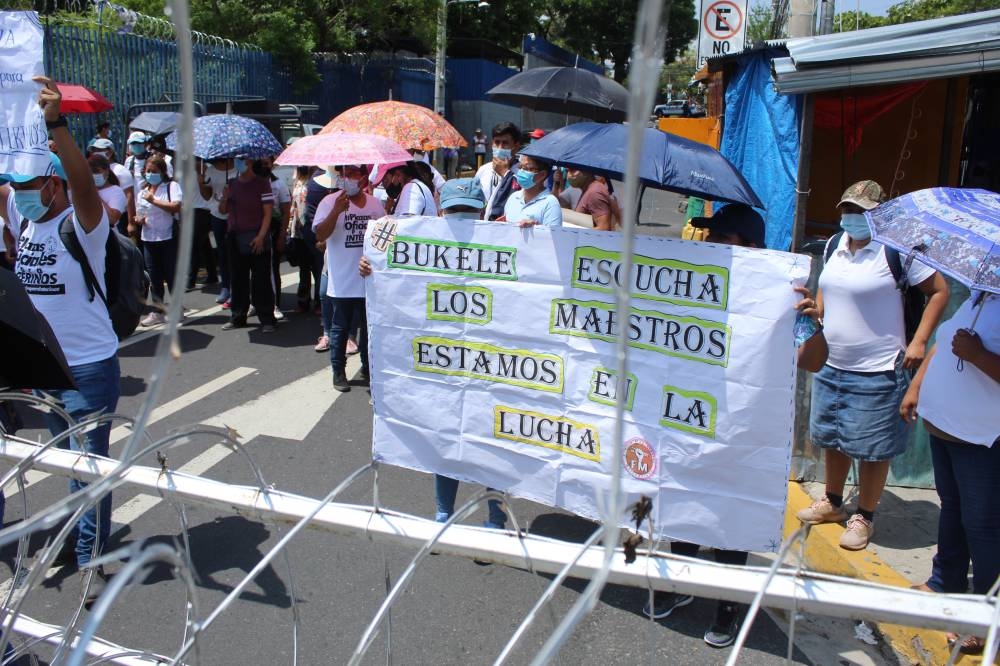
[[761, 137]]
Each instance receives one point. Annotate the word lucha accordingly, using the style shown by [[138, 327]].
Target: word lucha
[[550, 432]]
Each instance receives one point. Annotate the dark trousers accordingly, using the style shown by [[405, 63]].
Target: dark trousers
[[275, 267], [344, 312], [219, 232], [250, 280], [161, 260], [310, 269], [202, 254], [966, 477]]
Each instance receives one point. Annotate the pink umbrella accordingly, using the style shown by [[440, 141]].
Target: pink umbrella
[[336, 148]]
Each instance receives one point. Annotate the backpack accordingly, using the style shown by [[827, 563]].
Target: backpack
[[124, 275], [914, 300]]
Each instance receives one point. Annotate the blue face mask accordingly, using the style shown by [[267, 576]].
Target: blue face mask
[[856, 226], [239, 165], [29, 203], [525, 178], [502, 153], [100, 179], [138, 149], [154, 178], [464, 215]]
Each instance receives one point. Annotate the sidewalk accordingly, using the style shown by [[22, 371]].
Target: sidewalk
[[900, 554]]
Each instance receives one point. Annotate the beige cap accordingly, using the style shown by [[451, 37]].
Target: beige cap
[[865, 193]]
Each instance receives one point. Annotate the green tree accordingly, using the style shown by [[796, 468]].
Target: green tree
[[852, 20], [767, 21], [919, 10]]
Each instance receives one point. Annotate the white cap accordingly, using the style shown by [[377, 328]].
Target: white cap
[[138, 137]]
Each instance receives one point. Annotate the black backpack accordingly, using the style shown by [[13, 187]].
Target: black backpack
[[124, 275], [914, 300]]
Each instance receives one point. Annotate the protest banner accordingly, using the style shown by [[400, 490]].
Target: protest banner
[[23, 137], [493, 362]]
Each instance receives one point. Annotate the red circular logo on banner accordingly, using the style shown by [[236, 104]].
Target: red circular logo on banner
[[639, 459]]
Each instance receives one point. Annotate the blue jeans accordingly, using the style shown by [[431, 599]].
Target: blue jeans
[[966, 476], [445, 491], [326, 305], [97, 390], [344, 311]]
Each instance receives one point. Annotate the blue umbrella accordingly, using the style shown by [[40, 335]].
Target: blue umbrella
[[668, 162], [220, 136], [956, 231]]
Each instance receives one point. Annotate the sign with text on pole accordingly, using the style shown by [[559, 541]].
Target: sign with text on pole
[[722, 29], [493, 362]]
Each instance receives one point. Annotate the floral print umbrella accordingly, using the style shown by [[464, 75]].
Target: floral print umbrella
[[340, 148], [954, 230], [409, 125], [218, 136]]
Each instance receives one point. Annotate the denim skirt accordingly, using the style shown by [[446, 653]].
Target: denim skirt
[[857, 413]]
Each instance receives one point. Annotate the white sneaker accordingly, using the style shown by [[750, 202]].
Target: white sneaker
[[153, 319], [252, 311], [278, 314]]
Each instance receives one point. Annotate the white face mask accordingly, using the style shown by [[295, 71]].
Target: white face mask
[[465, 215], [352, 187]]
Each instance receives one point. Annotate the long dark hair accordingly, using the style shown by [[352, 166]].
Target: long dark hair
[[424, 174], [159, 162], [102, 162]]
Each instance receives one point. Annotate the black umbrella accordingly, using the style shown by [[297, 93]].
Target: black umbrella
[[156, 122], [567, 90], [33, 357]]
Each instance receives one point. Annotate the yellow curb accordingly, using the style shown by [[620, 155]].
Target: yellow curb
[[823, 553]]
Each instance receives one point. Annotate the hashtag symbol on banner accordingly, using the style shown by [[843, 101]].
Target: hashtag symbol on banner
[[382, 235]]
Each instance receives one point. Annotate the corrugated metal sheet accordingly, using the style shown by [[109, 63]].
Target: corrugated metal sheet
[[939, 48]]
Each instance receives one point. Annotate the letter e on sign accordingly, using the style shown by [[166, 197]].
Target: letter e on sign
[[639, 458], [722, 29]]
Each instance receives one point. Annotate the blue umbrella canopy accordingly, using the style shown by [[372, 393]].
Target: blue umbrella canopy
[[220, 136], [955, 230], [668, 162]]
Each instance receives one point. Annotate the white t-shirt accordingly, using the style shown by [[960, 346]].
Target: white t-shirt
[[216, 181], [416, 199], [488, 179], [113, 197], [14, 228], [863, 309], [54, 282], [125, 179], [282, 194], [437, 178], [963, 403], [346, 244], [159, 224]]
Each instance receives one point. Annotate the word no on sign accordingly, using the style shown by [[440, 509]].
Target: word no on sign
[[722, 28]]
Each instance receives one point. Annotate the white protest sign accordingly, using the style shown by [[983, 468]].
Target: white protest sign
[[493, 362], [721, 29], [23, 137]]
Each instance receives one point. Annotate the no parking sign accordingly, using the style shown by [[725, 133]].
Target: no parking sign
[[722, 28]]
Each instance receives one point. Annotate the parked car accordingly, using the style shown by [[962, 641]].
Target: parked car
[[678, 108]]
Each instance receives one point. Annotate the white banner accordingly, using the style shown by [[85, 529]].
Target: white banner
[[493, 362], [23, 137], [722, 28]]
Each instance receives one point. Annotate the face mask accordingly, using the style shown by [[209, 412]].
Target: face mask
[[29, 203], [154, 178], [352, 187], [138, 149], [465, 215], [525, 178], [393, 191], [240, 166], [856, 226], [502, 153], [102, 153], [100, 179]]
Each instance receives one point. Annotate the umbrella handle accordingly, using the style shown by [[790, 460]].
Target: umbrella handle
[[980, 300]]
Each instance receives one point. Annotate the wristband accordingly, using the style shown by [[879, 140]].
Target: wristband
[[60, 122]]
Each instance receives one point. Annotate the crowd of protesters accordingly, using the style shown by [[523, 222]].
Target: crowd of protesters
[[245, 218]]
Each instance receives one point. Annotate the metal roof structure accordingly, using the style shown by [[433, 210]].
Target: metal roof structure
[[938, 48]]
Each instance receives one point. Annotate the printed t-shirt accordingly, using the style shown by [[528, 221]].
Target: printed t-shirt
[[55, 284], [345, 245]]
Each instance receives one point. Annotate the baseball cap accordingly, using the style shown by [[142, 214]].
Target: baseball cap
[[101, 144], [54, 166], [462, 192], [865, 193], [138, 137], [735, 219], [537, 133], [380, 171]]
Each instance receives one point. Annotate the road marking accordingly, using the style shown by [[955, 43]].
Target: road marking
[[289, 280], [267, 414], [163, 411]]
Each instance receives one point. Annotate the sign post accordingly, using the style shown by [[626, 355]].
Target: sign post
[[721, 29]]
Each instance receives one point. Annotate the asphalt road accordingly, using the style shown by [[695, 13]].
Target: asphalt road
[[306, 438]]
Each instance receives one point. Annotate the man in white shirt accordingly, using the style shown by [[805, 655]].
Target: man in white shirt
[[341, 221], [497, 176], [125, 180]]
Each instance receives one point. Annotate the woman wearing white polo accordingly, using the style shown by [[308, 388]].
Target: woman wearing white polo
[[856, 395]]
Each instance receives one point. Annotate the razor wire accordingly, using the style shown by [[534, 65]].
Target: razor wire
[[778, 586]]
